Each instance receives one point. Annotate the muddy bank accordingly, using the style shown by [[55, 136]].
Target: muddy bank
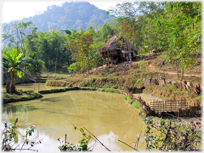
[[81, 88], [22, 96]]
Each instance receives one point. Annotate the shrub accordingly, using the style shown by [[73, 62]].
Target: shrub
[[173, 135], [10, 137], [81, 146], [142, 64], [137, 105], [128, 99]]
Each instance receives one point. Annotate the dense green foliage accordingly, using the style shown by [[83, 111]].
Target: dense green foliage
[[11, 64], [36, 65], [57, 49], [81, 48]]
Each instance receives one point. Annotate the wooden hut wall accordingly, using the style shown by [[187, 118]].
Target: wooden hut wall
[[109, 53]]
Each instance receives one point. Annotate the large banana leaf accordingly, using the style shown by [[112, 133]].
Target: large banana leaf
[[14, 54], [19, 56]]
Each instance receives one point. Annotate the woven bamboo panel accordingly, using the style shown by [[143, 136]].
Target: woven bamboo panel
[[167, 105]]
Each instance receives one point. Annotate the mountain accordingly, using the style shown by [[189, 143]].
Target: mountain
[[71, 15]]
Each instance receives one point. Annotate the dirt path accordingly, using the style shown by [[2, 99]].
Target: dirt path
[[174, 73], [153, 69], [153, 57]]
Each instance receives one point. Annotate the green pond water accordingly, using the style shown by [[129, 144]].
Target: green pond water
[[107, 115]]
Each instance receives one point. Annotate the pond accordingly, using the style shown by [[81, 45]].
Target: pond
[[107, 115]]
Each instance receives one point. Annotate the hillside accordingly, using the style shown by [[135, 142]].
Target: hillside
[[148, 63], [137, 74], [71, 15]]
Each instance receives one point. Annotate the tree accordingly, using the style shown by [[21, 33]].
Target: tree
[[149, 33], [66, 31], [81, 48], [55, 45], [184, 36], [30, 43], [12, 63], [128, 33], [36, 65], [74, 68], [125, 11], [18, 33], [106, 31]]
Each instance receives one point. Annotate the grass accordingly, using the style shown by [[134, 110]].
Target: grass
[[111, 90], [52, 91], [137, 105], [58, 83], [116, 82], [24, 95], [128, 99], [142, 64], [171, 92], [55, 76]]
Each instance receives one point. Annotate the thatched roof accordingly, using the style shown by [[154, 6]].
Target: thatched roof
[[112, 44]]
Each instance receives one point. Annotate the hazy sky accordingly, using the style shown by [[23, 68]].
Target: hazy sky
[[18, 9]]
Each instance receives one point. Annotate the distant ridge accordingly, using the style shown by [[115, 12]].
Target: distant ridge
[[71, 15]]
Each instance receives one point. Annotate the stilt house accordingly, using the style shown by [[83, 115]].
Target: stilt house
[[116, 50]]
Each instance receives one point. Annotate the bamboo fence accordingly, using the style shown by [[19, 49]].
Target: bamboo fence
[[168, 105]]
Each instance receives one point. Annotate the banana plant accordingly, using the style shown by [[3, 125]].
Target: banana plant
[[12, 63], [36, 65]]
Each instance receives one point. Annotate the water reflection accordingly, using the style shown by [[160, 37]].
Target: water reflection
[[34, 86], [17, 108], [10, 112], [106, 115], [55, 99], [109, 140], [49, 144]]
